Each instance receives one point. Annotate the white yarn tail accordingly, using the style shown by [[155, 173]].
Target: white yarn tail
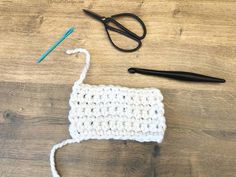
[[53, 152], [86, 65], [70, 141]]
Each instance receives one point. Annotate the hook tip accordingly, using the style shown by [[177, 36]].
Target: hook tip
[[131, 70]]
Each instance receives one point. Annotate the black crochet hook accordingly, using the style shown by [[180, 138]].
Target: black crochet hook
[[178, 75]]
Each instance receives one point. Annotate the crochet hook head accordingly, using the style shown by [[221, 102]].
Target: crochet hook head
[[177, 75]]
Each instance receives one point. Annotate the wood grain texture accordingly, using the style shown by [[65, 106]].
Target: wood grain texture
[[197, 36]]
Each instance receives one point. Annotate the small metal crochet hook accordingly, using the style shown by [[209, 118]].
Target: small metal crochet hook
[[178, 75]]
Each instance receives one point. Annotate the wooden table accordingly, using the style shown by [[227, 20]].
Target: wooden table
[[196, 36]]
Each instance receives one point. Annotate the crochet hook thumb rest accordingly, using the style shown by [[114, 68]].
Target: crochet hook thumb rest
[[178, 75]]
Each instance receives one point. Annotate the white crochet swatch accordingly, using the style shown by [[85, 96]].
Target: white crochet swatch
[[112, 112]]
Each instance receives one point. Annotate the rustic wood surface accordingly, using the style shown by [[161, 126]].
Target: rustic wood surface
[[197, 36]]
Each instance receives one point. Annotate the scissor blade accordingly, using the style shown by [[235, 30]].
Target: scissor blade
[[92, 14]]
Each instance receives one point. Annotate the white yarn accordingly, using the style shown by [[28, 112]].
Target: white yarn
[[52, 154], [87, 62], [112, 112]]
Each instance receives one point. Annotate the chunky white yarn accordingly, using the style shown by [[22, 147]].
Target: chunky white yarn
[[112, 112]]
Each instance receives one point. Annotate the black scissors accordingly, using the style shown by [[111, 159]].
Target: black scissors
[[120, 28]]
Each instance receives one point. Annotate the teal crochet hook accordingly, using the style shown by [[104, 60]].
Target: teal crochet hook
[[67, 33]]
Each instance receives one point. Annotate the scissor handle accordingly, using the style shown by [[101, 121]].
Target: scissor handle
[[139, 43], [124, 31], [127, 30]]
